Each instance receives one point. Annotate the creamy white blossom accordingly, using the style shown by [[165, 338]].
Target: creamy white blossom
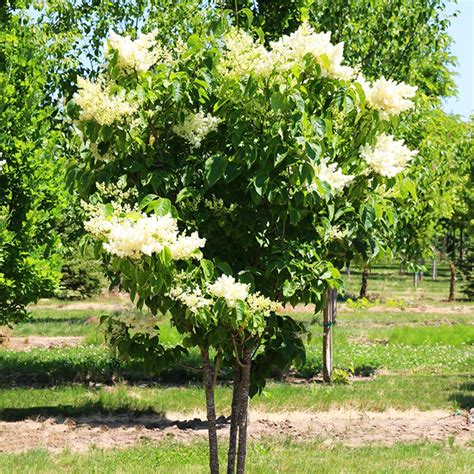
[[2, 164], [388, 156], [243, 56], [261, 304], [228, 288], [99, 104], [291, 50], [196, 127], [331, 174], [139, 234], [139, 55], [387, 96], [141, 324], [185, 246], [336, 233], [194, 300]]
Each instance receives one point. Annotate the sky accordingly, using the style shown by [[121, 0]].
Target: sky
[[462, 32]]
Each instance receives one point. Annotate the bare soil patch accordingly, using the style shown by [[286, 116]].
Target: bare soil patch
[[352, 428], [40, 342], [85, 306], [380, 308]]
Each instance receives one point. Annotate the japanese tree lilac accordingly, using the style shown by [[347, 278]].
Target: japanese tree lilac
[[387, 157], [138, 55], [144, 235], [261, 304], [98, 104], [243, 56], [196, 127], [331, 174], [228, 288], [291, 50], [194, 300], [388, 97]]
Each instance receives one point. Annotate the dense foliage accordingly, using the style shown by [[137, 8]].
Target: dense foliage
[[32, 194], [280, 157]]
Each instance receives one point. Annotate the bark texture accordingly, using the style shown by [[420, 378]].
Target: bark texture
[[365, 282], [243, 410], [234, 420], [211, 412], [452, 282]]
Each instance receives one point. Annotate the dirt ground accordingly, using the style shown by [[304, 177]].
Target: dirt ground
[[351, 428], [26, 343]]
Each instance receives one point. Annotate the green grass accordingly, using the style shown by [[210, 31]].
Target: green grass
[[264, 456], [457, 336], [401, 391], [387, 284], [61, 322]]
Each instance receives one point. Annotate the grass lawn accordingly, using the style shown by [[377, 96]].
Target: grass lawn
[[415, 349], [404, 391], [264, 456]]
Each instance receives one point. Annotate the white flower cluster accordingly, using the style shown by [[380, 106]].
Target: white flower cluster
[[98, 104], [387, 157], [243, 56], [2, 164], [196, 127], [228, 288], [141, 324], [387, 96], [260, 304], [139, 55], [194, 299], [224, 287], [140, 234], [335, 233], [291, 50], [331, 174]]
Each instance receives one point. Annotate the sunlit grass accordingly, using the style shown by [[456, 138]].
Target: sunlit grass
[[265, 456]]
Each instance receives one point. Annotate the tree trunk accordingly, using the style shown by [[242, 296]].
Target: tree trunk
[[243, 410], [329, 315], [348, 272], [434, 273], [211, 412], [365, 280], [452, 282], [234, 420], [461, 244], [444, 247], [415, 279]]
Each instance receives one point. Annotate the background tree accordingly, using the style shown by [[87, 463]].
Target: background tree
[[32, 194]]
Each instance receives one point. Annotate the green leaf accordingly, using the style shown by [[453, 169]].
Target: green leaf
[[208, 269], [289, 288], [215, 167]]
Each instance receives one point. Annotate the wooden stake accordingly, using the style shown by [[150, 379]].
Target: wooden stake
[[329, 317], [434, 274]]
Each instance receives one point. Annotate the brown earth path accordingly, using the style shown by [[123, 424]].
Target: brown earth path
[[349, 427]]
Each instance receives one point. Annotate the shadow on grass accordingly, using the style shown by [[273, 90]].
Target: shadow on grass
[[94, 414], [70, 320], [465, 396]]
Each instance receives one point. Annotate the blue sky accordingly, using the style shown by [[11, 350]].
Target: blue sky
[[462, 32]]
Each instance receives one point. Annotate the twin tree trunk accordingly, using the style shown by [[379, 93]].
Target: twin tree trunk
[[239, 414]]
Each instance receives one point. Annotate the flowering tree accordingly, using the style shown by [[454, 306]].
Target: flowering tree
[[275, 163]]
